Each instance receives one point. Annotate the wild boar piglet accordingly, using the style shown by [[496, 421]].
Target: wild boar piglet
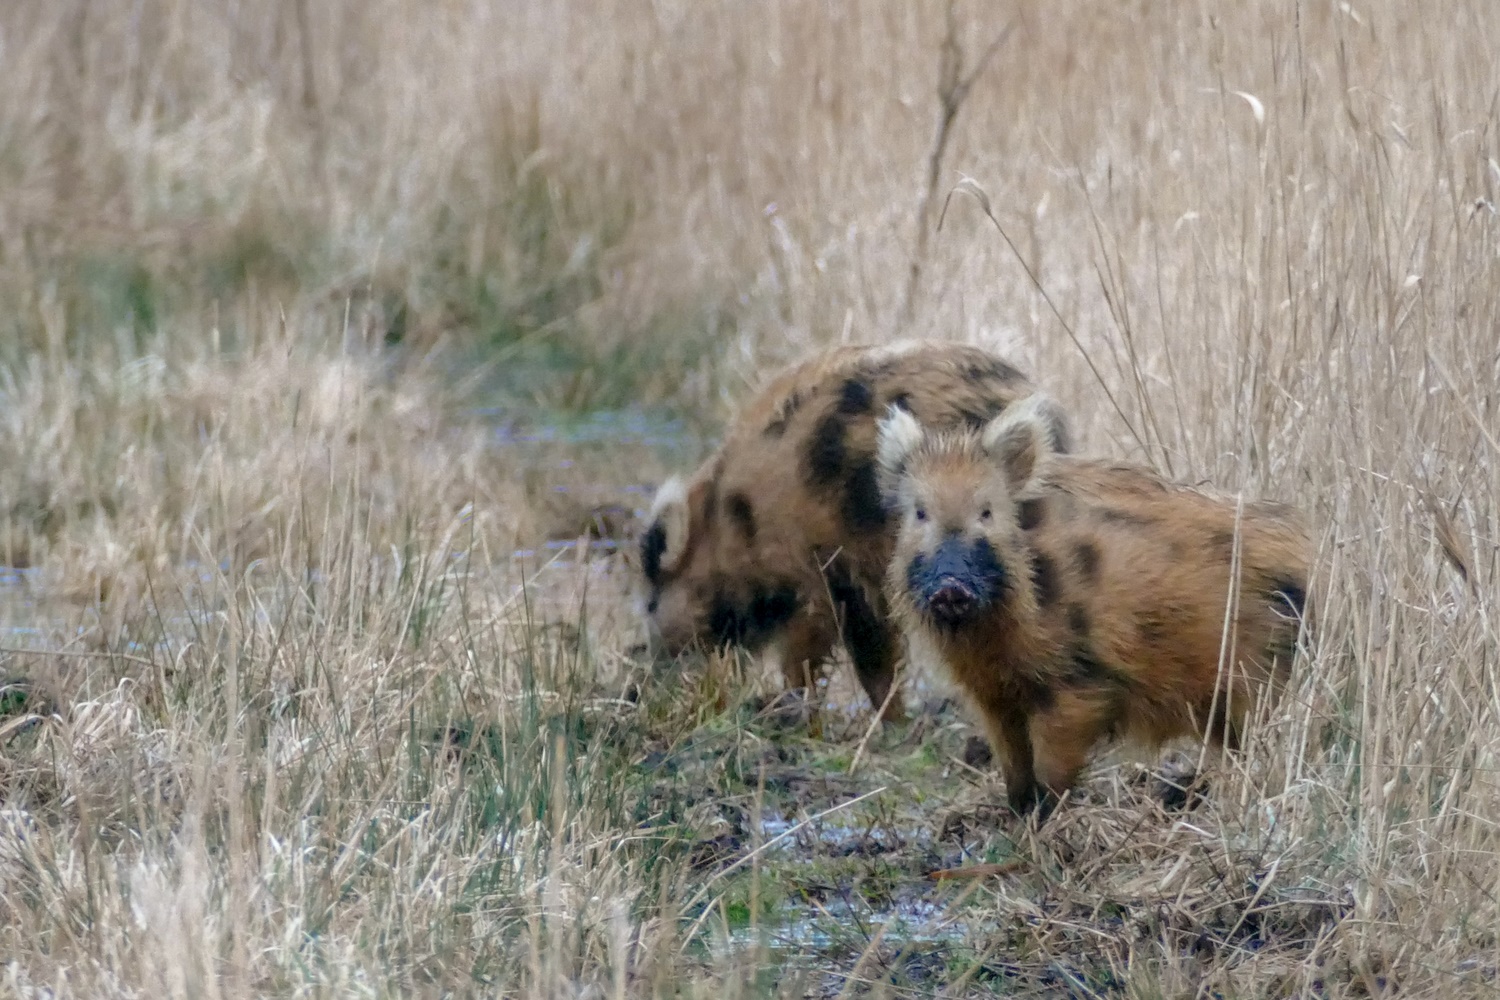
[[1075, 599], [780, 538]]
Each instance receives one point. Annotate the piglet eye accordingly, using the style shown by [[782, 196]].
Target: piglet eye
[[985, 514], [921, 513]]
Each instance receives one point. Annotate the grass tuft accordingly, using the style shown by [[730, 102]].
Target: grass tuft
[[344, 342]]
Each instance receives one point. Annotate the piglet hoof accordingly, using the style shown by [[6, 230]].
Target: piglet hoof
[[1031, 803]]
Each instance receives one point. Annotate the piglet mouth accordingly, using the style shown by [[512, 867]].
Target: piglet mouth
[[951, 601]]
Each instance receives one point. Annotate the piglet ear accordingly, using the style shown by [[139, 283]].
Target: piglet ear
[[1054, 418], [899, 435], [665, 541], [1021, 437]]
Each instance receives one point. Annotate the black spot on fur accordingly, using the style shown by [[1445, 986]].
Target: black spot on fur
[[1153, 628], [1086, 558], [1084, 669], [876, 371], [826, 452], [1290, 595], [1044, 579], [1127, 518], [977, 420], [861, 506], [653, 544], [867, 635], [992, 370], [855, 397], [749, 622], [1030, 514], [1005, 372], [1034, 696], [742, 514], [1078, 620], [1289, 599], [789, 406], [1221, 544], [901, 401]]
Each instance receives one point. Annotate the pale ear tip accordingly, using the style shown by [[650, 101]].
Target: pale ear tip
[[895, 421], [673, 489], [897, 435]]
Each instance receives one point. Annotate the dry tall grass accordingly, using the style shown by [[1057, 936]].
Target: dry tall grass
[[1267, 252]]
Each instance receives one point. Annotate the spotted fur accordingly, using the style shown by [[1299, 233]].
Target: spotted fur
[[782, 537], [1078, 599]]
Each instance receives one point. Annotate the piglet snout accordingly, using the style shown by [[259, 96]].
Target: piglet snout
[[951, 600]]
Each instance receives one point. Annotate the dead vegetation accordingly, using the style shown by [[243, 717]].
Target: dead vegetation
[[293, 719]]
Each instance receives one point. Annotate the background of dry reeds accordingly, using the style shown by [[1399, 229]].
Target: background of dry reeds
[[274, 273]]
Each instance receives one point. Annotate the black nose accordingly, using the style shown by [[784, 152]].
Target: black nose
[[951, 601]]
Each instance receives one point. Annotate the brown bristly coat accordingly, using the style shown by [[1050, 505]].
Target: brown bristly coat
[[1114, 621]]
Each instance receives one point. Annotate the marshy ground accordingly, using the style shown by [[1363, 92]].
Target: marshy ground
[[464, 762], [343, 343]]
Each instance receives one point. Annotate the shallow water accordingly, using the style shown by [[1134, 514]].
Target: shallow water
[[26, 622], [916, 916], [640, 428], [32, 619]]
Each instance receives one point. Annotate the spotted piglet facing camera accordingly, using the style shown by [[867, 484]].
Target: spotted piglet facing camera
[[1075, 599]]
